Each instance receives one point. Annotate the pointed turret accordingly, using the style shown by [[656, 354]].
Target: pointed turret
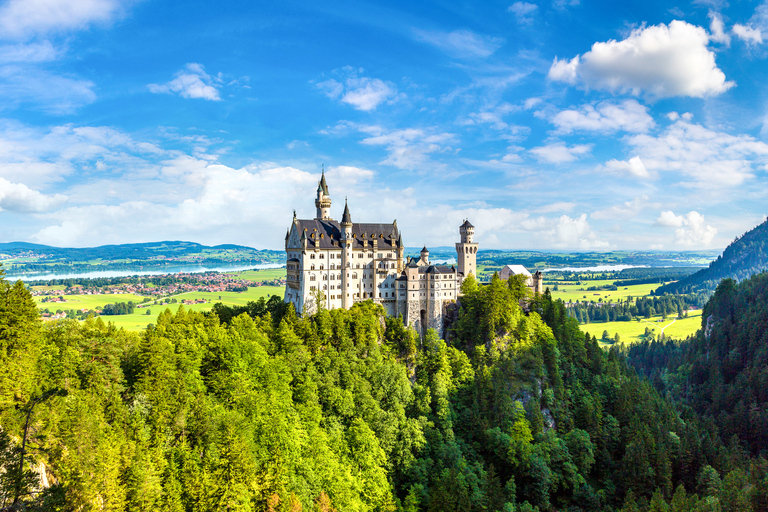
[[323, 201], [346, 218]]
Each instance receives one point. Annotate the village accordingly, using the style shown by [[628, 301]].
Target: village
[[56, 297]]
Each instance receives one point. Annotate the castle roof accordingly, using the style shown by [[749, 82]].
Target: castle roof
[[437, 269], [328, 234], [518, 269], [467, 224], [323, 185], [425, 249], [346, 218]]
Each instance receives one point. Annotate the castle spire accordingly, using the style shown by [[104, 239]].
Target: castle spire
[[323, 201], [346, 218]]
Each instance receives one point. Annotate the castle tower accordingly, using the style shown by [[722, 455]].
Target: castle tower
[[346, 255], [425, 255], [323, 201], [466, 250]]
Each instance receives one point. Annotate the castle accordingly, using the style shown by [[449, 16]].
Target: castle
[[340, 263]]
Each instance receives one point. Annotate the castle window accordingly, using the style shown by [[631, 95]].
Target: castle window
[[312, 278], [312, 267], [311, 256], [322, 256], [321, 267]]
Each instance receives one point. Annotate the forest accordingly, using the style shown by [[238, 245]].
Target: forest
[[257, 408], [722, 371]]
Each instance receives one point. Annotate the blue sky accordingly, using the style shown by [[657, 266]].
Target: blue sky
[[560, 125]]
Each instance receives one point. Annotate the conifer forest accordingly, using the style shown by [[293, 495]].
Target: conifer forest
[[260, 409]]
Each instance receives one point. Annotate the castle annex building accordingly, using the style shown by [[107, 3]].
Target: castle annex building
[[345, 262]]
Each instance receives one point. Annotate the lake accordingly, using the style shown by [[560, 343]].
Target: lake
[[181, 269]]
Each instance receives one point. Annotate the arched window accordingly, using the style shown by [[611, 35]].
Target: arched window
[[312, 278]]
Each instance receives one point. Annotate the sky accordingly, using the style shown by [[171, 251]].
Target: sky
[[558, 125]]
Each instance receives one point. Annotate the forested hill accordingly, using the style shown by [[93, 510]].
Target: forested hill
[[722, 372], [167, 249], [746, 256], [348, 410]]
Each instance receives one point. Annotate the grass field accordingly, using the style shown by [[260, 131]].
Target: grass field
[[572, 292], [266, 274], [139, 319], [634, 331]]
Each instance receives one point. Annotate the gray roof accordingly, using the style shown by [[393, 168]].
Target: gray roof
[[328, 234], [467, 224], [323, 185], [346, 218], [437, 269]]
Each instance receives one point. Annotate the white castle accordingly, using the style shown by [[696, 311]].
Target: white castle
[[341, 263]]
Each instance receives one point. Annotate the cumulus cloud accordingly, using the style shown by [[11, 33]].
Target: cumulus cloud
[[25, 18], [17, 197], [691, 229], [191, 82], [633, 167], [717, 29], [660, 61], [605, 116], [748, 34], [707, 158], [575, 233], [362, 93], [463, 44], [523, 11], [560, 153]]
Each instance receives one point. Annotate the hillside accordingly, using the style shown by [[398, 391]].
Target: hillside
[[348, 410], [746, 256], [722, 372], [22, 257]]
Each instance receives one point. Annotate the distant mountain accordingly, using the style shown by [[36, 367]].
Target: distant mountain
[[746, 256], [121, 252], [22, 257]]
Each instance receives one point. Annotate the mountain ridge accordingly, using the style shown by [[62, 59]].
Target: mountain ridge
[[746, 256]]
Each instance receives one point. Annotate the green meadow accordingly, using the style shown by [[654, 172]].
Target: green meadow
[[634, 331], [139, 319], [573, 292]]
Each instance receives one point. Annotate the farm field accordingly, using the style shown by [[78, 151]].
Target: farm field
[[573, 292], [266, 274], [633, 331], [87, 301], [139, 319]]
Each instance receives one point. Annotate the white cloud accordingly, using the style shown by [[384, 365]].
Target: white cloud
[[691, 230], [191, 82], [523, 12], [559, 152], [623, 211], [408, 148], [25, 18], [22, 84], [628, 115], [634, 166], [349, 174], [17, 197], [709, 159], [560, 206], [463, 44], [748, 34], [575, 233], [661, 61], [363, 93], [717, 29]]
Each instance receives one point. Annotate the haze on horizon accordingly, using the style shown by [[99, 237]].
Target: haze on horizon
[[551, 125]]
